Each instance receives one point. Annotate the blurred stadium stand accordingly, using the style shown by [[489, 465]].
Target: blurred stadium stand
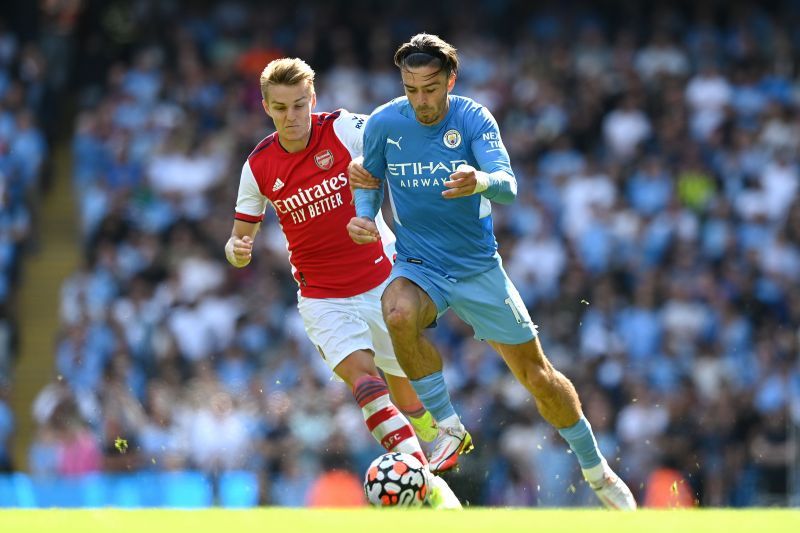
[[656, 242], [183, 490]]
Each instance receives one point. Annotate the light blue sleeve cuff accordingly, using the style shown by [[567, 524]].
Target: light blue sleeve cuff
[[368, 201], [502, 188]]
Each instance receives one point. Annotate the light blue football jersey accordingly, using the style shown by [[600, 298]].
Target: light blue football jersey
[[453, 236]]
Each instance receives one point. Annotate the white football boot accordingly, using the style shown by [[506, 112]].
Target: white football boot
[[449, 444], [611, 490]]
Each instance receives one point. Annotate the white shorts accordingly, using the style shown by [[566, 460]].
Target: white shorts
[[340, 326]]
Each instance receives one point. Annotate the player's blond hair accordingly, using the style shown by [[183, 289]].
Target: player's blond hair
[[286, 71]]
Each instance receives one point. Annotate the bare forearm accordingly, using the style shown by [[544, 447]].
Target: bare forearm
[[239, 248]]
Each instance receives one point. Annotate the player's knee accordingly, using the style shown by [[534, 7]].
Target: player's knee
[[399, 317]]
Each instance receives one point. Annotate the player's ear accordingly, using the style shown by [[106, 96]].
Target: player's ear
[[451, 81], [313, 100], [266, 107]]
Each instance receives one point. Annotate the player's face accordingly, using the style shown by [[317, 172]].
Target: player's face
[[427, 89], [290, 107]]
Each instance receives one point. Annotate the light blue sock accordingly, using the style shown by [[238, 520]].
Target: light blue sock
[[434, 396], [581, 440]]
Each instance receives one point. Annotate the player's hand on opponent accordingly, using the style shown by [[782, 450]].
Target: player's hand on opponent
[[238, 251], [465, 181], [359, 178], [362, 230]]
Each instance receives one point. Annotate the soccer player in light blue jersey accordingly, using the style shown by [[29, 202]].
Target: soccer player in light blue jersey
[[444, 162]]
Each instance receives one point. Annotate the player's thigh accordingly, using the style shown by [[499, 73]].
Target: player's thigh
[[370, 309], [356, 365], [416, 293], [491, 304], [335, 327]]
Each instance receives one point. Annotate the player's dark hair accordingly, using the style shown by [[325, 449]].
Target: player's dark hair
[[425, 49]]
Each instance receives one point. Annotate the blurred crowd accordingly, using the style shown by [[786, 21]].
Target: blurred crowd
[[655, 240], [24, 148]]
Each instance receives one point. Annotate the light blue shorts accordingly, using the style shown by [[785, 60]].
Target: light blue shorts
[[488, 302]]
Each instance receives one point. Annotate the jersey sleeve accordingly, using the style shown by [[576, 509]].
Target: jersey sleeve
[[374, 146], [487, 145], [368, 201], [349, 128], [250, 203]]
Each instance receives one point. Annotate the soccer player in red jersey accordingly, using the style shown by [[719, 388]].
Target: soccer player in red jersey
[[301, 170]]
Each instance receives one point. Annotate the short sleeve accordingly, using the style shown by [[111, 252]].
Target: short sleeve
[[250, 203], [349, 128]]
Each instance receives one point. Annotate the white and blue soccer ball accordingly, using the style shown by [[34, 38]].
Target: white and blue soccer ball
[[397, 479]]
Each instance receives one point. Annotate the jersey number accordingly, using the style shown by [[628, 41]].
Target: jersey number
[[512, 305]]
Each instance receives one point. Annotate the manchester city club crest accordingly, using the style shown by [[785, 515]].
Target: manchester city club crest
[[452, 139], [324, 159]]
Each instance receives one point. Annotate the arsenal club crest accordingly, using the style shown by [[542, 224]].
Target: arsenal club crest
[[324, 159]]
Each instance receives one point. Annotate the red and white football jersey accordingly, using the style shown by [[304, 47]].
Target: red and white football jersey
[[310, 193]]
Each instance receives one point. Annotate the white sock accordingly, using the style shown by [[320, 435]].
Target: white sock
[[595, 474], [451, 421]]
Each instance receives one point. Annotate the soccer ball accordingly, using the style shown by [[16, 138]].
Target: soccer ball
[[396, 479]]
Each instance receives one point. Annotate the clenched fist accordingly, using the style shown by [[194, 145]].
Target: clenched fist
[[363, 230], [238, 251]]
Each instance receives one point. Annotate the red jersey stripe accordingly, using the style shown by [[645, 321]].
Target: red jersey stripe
[[249, 218]]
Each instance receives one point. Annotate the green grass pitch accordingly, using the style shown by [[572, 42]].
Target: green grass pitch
[[269, 520]]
